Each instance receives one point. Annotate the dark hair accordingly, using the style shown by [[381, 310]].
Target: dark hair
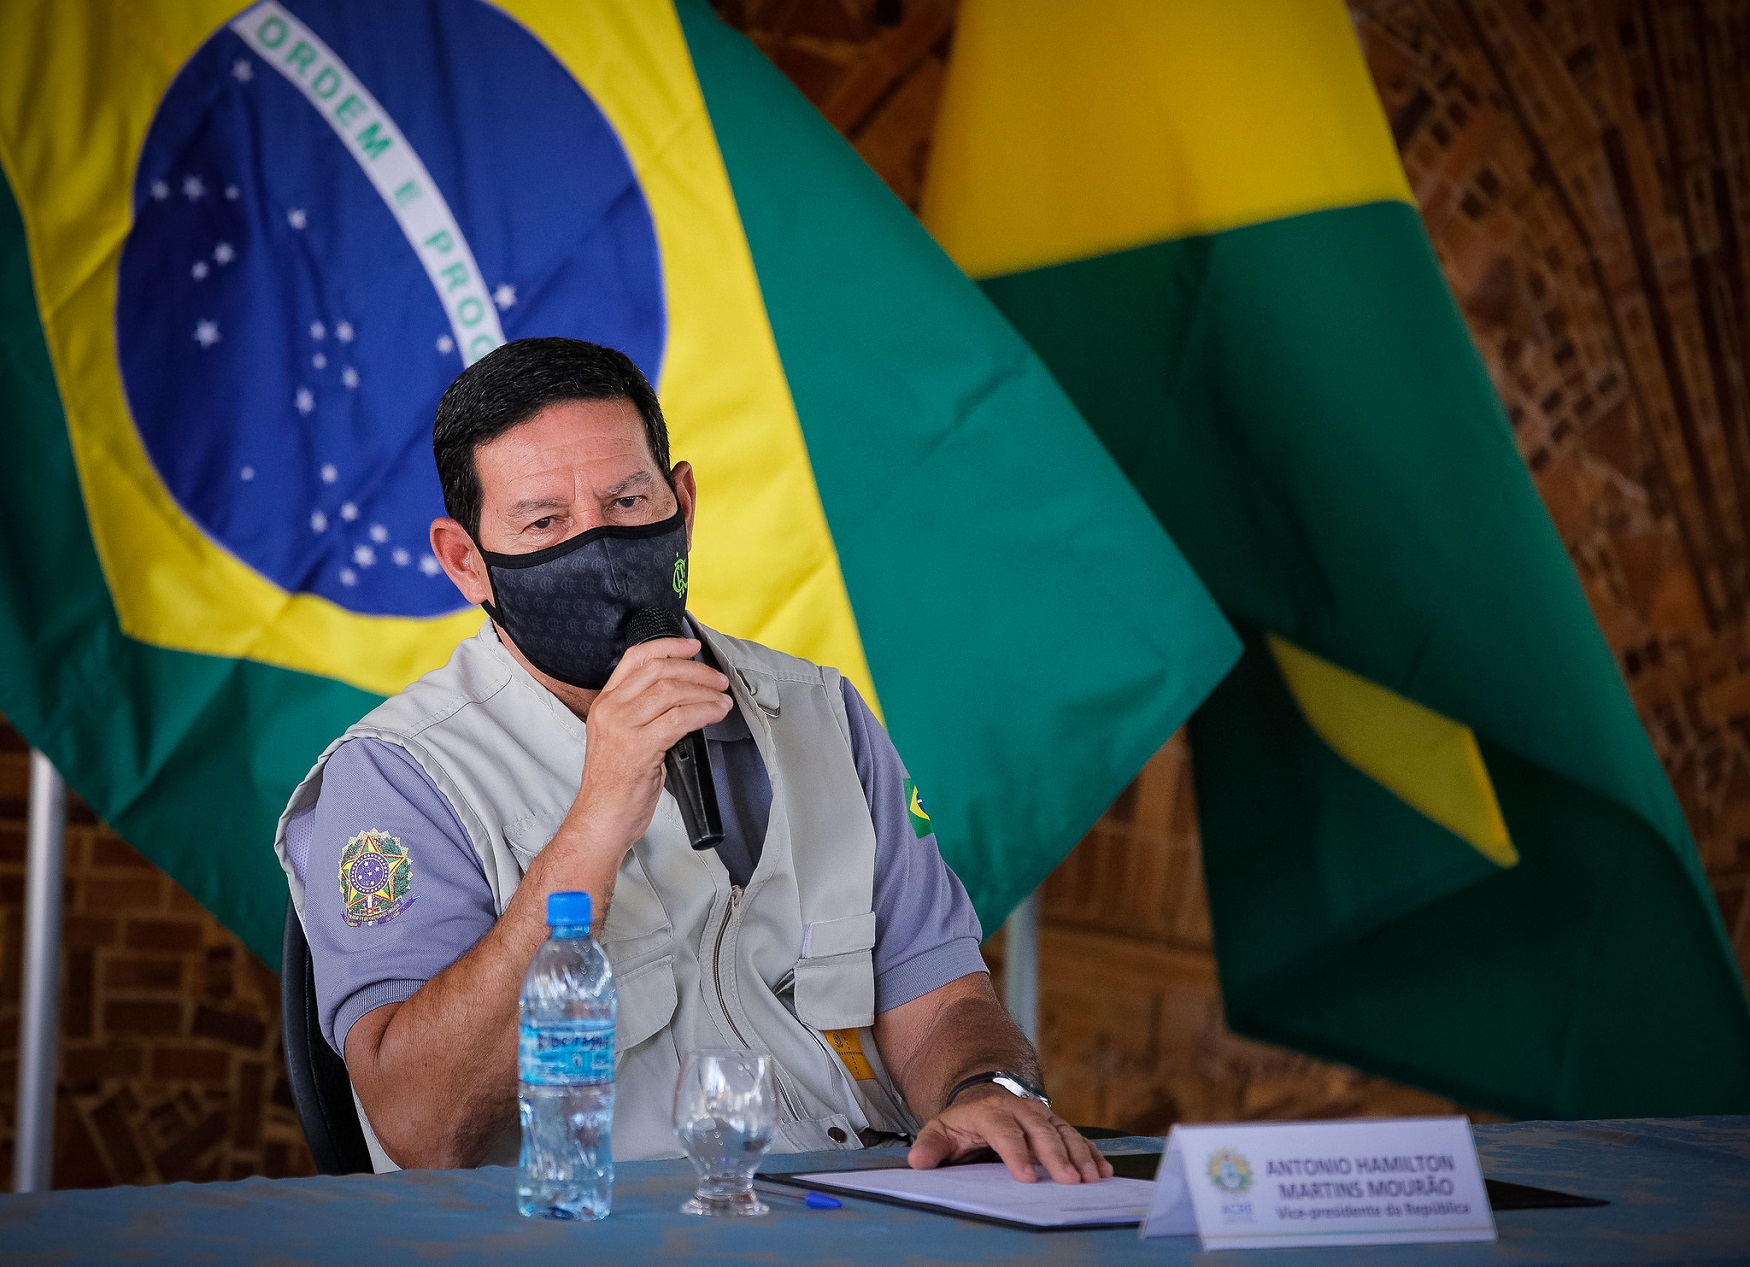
[[513, 383]]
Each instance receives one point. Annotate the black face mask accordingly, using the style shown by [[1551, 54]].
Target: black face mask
[[566, 607]]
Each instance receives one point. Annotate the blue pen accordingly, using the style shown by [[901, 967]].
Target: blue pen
[[813, 1200]]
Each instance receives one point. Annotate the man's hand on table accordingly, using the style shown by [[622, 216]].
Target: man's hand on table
[[1021, 1132]]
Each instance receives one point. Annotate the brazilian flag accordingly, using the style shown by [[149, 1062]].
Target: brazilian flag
[[244, 248], [1437, 842]]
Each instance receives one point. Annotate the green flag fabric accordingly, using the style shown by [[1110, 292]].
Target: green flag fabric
[[234, 292], [1438, 845]]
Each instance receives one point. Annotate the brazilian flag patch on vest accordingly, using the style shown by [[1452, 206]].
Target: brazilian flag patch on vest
[[914, 809], [376, 879]]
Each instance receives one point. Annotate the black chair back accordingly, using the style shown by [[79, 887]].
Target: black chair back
[[320, 1088]]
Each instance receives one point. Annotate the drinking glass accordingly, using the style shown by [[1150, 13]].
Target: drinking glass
[[724, 1116]]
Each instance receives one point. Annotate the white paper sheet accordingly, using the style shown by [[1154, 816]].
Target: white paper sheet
[[990, 1190]]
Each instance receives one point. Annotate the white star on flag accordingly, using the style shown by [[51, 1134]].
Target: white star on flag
[[429, 565], [505, 295], [348, 576], [206, 333], [318, 521], [242, 71], [343, 331], [246, 474], [224, 253], [305, 400], [364, 556], [319, 361], [349, 376], [445, 344], [296, 218], [349, 512], [318, 330], [199, 270], [193, 189], [160, 190], [330, 473], [401, 557], [232, 193], [379, 534]]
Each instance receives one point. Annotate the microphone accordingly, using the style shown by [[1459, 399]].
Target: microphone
[[688, 762]]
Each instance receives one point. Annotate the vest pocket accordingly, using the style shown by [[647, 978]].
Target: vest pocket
[[645, 1003], [817, 1136], [528, 835], [646, 1063], [835, 978]]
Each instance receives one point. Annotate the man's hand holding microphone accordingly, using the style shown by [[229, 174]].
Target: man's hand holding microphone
[[658, 696]]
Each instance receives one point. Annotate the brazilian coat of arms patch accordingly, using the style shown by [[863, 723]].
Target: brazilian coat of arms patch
[[376, 878]]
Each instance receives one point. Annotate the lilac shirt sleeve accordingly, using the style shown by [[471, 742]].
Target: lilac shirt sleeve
[[926, 931], [369, 784]]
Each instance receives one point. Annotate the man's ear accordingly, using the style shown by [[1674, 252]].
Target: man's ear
[[686, 492], [460, 559]]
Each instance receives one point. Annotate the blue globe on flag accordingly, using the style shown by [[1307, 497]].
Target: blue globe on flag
[[322, 240]]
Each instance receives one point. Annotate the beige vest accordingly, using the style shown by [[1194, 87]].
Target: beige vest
[[784, 967]]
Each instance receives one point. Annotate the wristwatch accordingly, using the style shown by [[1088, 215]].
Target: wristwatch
[[1013, 1083]]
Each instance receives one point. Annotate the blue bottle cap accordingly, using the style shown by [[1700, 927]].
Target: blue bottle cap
[[568, 909]]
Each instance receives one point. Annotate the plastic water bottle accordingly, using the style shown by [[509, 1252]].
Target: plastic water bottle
[[565, 1070]]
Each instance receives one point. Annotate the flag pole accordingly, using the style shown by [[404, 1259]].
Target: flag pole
[[34, 1139], [1021, 965]]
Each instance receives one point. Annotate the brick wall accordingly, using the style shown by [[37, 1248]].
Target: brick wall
[[170, 1064]]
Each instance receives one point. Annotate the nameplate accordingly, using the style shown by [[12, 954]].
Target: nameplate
[[1371, 1181]]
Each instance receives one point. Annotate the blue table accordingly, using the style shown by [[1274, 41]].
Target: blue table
[[1679, 1190]]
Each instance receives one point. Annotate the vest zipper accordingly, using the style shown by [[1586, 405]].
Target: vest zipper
[[723, 1002]]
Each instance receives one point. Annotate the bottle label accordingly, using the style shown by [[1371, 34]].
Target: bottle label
[[566, 1053]]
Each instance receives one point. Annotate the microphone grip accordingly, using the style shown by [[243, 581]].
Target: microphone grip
[[689, 762], [689, 778]]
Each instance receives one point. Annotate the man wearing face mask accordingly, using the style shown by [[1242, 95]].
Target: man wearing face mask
[[824, 928]]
